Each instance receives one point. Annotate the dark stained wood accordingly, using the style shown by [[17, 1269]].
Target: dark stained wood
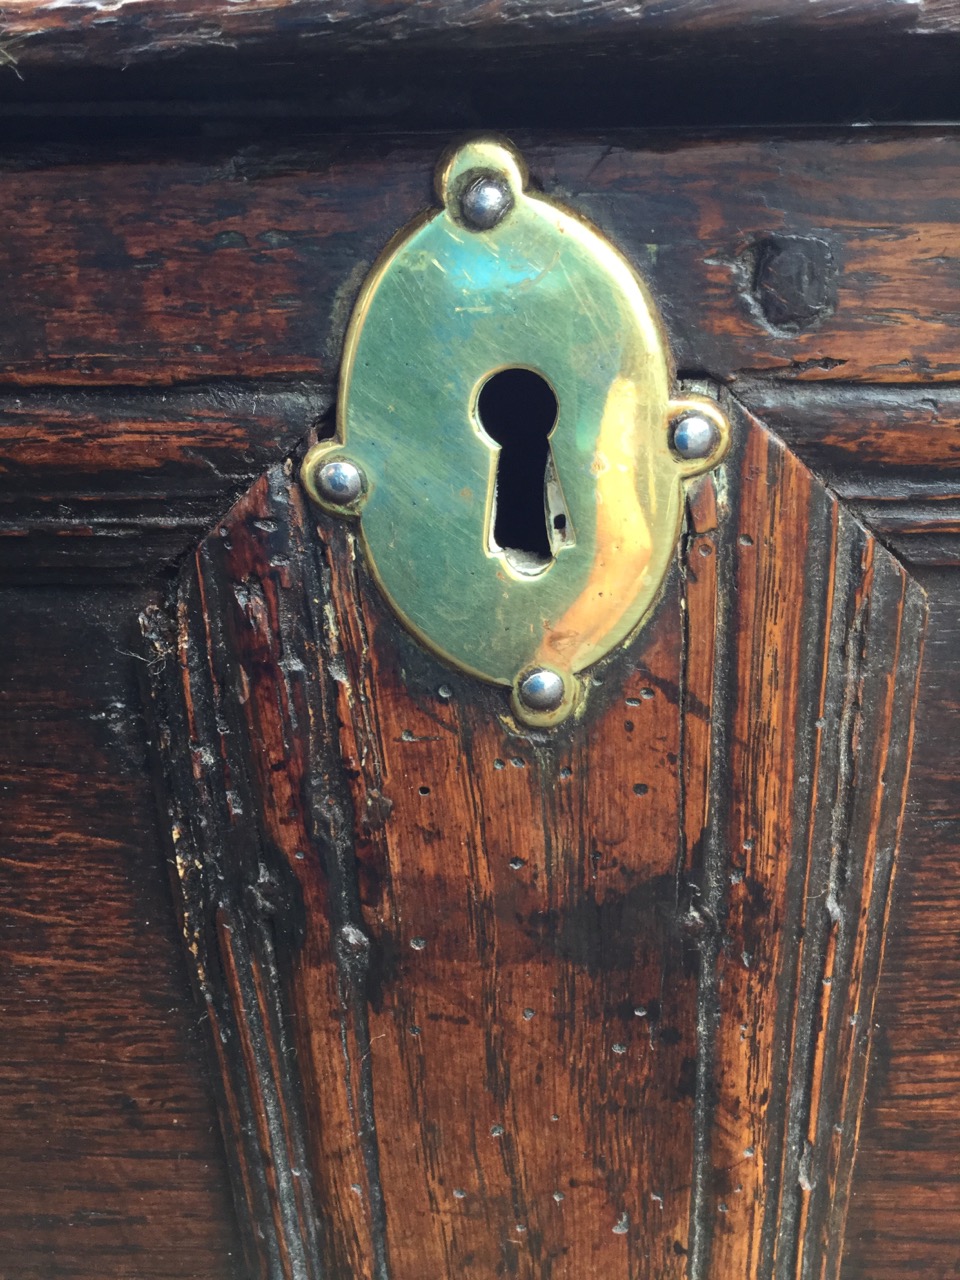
[[229, 276], [457, 62], [891, 453], [46, 34], [110, 1163], [798, 853], [560, 1004], [242, 263], [905, 1210], [542, 1001], [814, 272], [122, 483]]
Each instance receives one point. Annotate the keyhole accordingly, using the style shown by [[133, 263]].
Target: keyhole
[[518, 409]]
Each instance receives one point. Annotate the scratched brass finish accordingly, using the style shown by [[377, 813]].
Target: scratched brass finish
[[446, 307]]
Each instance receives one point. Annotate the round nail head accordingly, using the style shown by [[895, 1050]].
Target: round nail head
[[541, 690], [695, 436], [340, 481], [485, 201]]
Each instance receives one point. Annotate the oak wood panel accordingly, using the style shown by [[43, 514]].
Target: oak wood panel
[[800, 735], [549, 998], [853, 437], [110, 1163], [811, 258], [476, 1204], [583, 1027], [905, 1209]]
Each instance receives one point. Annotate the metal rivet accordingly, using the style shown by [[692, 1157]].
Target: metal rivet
[[541, 690], [340, 481], [485, 201], [695, 436]]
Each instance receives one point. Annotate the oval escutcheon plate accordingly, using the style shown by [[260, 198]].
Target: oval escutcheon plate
[[501, 280]]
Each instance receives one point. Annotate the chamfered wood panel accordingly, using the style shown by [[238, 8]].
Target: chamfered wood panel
[[110, 1160], [891, 453], [807, 257], [905, 1210], [559, 1004]]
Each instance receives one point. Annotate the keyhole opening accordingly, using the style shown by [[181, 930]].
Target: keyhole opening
[[518, 409]]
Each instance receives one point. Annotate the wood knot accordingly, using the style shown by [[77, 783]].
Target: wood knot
[[793, 281]]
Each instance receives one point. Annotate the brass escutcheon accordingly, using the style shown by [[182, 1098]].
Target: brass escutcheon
[[502, 278]]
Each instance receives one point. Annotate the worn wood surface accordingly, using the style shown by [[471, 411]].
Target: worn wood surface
[[905, 1211], [892, 455], [110, 1159], [139, 30], [461, 62], [243, 262], [108, 483], [606, 992], [103, 480], [218, 279]]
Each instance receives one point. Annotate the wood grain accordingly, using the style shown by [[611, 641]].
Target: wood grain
[[217, 277], [598, 999], [892, 454], [110, 1162], [119, 483], [59, 35], [799, 854], [219, 282], [906, 1196], [243, 262], [453, 63]]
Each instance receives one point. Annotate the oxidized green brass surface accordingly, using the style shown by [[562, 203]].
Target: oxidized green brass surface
[[444, 308]]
